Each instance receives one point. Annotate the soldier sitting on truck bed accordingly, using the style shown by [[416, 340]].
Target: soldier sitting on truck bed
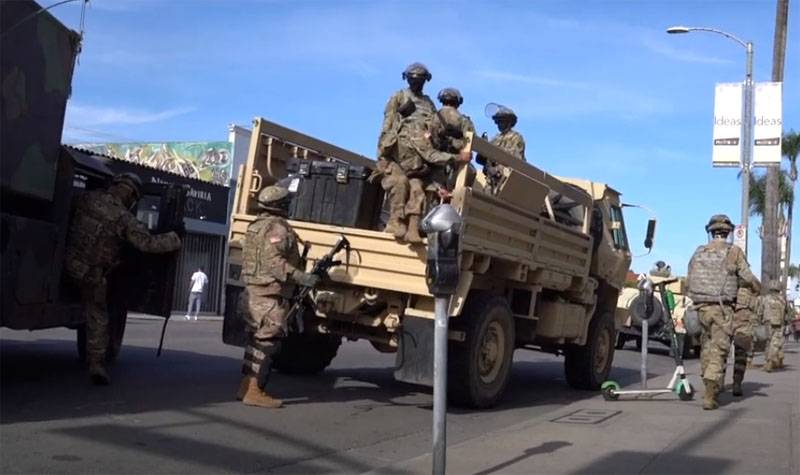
[[405, 154], [507, 139], [103, 223]]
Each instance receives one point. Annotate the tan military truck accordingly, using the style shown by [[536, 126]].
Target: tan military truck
[[542, 262]]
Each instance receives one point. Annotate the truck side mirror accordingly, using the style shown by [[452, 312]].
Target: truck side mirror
[[651, 232], [443, 227]]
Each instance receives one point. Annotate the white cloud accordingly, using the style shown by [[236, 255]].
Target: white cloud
[[681, 54], [79, 115]]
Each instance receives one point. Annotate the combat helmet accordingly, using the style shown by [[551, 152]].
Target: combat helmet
[[273, 198], [719, 222], [450, 94], [130, 179], [504, 114], [417, 70]]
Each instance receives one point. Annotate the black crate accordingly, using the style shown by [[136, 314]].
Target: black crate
[[334, 193]]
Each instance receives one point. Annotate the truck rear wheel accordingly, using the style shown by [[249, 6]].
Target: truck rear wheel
[[587, 366], [306, 353], [479, 367]]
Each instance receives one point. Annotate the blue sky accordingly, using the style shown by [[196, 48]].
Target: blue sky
[[601, 91]]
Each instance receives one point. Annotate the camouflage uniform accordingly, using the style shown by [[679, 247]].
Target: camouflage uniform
[[448, 132], [744, 320], [102, 225], [512, 142], [271, 257], [774, 315], [716, 273]]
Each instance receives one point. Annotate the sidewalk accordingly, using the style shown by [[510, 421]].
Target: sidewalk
[[757, 433]]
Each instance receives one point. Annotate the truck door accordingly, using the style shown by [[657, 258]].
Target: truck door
[[145, 282]]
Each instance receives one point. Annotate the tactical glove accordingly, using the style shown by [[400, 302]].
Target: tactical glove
[[306, 279]]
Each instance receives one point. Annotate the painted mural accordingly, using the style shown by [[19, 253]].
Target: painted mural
[[207, 161]]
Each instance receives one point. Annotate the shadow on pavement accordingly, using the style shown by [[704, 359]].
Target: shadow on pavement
[[544, 448]]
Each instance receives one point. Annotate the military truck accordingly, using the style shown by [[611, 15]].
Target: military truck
[[40, 179], [629, 330], [542, 263]]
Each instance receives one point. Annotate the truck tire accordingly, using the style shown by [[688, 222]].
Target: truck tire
[[479, 367], [306, 353], [587, 366]]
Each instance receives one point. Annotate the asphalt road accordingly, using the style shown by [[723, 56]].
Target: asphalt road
[[177, 413]]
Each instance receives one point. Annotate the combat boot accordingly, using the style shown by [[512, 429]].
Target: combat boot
[[780, 362], [254, 396], [395, 227], [710, 395], [412, 235], [737, 384], [98, 374]]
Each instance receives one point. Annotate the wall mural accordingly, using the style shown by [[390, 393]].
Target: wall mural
[[207, 161]]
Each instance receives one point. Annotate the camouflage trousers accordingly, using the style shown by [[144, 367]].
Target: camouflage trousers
[[717, 323], [406, 195], [265, 315], [95, 310], [742, 339], [776, 340]]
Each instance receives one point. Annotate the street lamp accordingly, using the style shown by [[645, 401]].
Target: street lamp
[[747, 117]]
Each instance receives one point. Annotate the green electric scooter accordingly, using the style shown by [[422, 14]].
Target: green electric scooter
[[645, 310]]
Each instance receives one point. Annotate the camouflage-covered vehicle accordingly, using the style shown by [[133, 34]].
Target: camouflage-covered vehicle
[[542, 263], [40, 178]]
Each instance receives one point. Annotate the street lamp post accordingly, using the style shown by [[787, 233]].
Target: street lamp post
[[747, 119]]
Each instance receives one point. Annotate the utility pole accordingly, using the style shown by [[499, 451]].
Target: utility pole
[[769, 244]]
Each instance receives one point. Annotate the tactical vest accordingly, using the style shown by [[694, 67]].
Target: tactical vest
[[708, 279], [94, 235], [774, 310], [261, 259]]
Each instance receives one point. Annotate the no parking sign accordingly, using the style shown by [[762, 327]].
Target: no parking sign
[[740, 237]]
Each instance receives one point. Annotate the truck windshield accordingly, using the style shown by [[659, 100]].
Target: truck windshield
[[618, 229]]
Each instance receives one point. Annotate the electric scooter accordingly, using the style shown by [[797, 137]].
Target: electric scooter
[[646, 312]]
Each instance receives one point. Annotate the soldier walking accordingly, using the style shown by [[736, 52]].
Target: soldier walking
[[774, 314], [103, 223], [745, 318], [716, 272], [270, 272]]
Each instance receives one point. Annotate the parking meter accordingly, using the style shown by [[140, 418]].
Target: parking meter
[[443, 227]]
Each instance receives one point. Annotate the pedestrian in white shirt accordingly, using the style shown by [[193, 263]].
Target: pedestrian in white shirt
[[199, 281]]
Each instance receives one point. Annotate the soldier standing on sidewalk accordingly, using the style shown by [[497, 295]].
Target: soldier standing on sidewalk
[[270, 271], [716, 272]]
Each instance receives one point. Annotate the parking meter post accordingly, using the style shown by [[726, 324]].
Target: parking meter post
[[443, 227], [440, 385], [645, 337]]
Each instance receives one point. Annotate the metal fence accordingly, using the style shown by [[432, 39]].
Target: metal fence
[[200, 250]]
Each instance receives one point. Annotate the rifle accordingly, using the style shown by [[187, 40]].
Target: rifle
[[321, 268]]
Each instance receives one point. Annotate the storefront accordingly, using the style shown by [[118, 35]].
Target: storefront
[[206, 221]]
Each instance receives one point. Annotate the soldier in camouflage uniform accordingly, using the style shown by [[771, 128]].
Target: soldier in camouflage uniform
[[103, 223], [507, 139], [774, 315], [448, 134], [405, 122], [270, 272], [716, 272]]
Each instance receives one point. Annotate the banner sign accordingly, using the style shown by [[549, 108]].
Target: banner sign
[[768, 124], [727, 125], [207, 161]]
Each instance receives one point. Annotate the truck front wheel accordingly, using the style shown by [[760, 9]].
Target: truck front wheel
[[479, 367], [306, 353], [587, 366]]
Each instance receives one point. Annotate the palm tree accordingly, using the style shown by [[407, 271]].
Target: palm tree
[[790, 147]]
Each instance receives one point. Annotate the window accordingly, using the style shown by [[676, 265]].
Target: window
[[618, 229]]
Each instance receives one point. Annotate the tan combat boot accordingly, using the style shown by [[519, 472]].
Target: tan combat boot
[[396, 227], [710, 395], [98, 374], [254, 396], [412, 235]]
